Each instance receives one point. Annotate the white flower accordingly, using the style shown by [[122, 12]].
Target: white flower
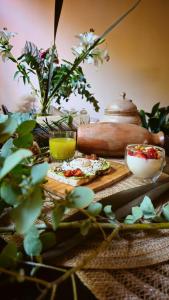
[[87, 39], [6, 35], [96, 55], [5, 47]]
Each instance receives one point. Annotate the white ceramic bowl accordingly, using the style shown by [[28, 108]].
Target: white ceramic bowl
[[144, 162]]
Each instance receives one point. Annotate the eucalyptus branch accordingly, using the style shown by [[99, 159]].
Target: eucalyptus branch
[[86, 53], [40, 265], [93, 219], [97, 225], [28, 278]]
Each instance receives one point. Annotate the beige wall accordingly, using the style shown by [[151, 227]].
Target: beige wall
[[139, 47]]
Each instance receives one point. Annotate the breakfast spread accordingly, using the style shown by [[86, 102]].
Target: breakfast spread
[[145, 160], [80, 171]]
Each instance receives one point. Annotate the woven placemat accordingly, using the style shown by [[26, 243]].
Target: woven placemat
[[149, 283]]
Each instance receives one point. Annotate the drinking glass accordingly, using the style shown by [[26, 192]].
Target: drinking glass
[[143, 164], [62, 145]]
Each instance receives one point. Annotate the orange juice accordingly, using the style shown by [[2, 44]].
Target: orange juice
[[62, 147]]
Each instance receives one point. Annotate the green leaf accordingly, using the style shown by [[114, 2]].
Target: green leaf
[[165, 211], [108, 212], [57, 214], [155, 109], [8, 256], [13, 160], [6, 149], [32, 243], [7, 128], [85, 227], [94, 209], [147, 208], [137, 213], [8, 193], [48, 240], [38, 172], [24, 141], [80, 197], [28, 211], [143, 118], [26, 127], [129, 220]]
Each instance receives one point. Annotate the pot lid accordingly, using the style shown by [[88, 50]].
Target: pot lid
[[122, 105]]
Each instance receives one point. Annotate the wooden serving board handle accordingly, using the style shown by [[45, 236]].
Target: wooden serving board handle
[[110, 139]]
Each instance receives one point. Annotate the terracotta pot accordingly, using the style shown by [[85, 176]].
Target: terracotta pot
[[110, 139], [122, 111]]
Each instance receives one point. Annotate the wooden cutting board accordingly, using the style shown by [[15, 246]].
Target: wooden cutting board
[[119, 171]]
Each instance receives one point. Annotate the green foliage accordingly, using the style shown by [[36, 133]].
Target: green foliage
[[94, 209], [109, 213], [9, 193], [25, 214], [165, 211], [8, 256], [7, 128], [13, 160], [6, 149], [157, 120], [32, 243], [38, 172], [146, 211], [57, 215], [147, 208], [80, 197]]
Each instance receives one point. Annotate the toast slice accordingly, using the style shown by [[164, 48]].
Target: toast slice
[[80, 171]]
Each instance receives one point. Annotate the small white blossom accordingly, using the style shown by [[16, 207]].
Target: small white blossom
[[96, 55], [87, 39], [6, 35]]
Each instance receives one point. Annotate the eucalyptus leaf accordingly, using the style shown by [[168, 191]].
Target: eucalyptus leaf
[[165, 211], [32, 243], [95, 209], [26, 127], [13, 160], [109, 213], [7, 129], [147, 208], [38, 172], [80, 197], [6, 149], [137, 213], [57, 215], [28, 211], [24, 141], [129, 220], [8, 256], [8, 193], [21, 117]]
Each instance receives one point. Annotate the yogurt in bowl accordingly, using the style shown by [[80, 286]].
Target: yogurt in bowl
[[145, 161]]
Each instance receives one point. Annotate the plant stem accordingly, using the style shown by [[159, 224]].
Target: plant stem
[[97, 41], [98, 225], [87, 259], [74, 287], [28, 278]]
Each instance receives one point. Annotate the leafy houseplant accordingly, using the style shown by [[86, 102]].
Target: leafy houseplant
[[57, 81], [157, 120]]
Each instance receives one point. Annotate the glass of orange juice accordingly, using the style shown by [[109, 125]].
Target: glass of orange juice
[[62, 145]]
